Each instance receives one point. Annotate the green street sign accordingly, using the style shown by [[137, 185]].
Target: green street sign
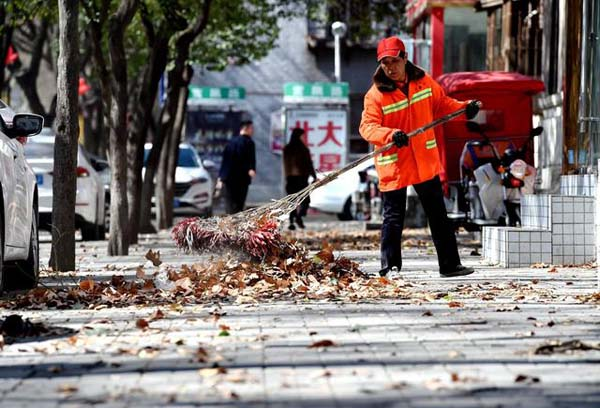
[[316, 92], [210, 95]]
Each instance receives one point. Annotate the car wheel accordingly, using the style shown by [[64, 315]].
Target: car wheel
[[27, 272], [346, 214]]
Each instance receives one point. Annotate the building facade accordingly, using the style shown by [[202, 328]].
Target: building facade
[[556, 41]]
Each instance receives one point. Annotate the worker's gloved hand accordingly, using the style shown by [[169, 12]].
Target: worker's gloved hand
[[400, 138], [472, 109]]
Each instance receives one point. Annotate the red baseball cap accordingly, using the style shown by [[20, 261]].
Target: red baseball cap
[[389, 47]]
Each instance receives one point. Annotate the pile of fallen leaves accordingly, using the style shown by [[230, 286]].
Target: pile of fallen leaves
[[322, 276]]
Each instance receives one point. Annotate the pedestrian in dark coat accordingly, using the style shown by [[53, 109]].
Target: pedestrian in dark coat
[[297, 167], [238, 168]]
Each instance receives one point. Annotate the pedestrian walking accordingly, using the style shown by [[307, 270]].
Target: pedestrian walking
[[297, 168], [238, 168], [403, 98]]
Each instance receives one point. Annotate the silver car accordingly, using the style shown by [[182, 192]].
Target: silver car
[[90, 197], [19, 245]]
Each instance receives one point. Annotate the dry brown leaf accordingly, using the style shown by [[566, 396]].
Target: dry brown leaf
[[87, 285], [552, 270], [211, 372], [67, 388], [154, 257], [523, 378], [157, 315], [455, 304], [201, 355], [322, 343], [140, 273], [142, 324]]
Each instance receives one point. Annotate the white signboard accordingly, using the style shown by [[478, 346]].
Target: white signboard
[[325, 133]]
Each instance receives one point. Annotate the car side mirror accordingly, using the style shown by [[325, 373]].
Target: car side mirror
[[26, 124], [208, 164]]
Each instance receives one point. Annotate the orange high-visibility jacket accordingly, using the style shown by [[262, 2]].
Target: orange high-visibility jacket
[[387, 109]]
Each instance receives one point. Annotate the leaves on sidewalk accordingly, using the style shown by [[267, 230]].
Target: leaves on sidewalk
[[526, 379], [322, 343], [154, 257]]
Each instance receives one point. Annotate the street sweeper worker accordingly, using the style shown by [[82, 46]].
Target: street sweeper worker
[[238, 168], [403, 98]]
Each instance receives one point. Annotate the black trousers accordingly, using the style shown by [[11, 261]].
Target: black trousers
[[235, 197], [293, 184], [442, 232]]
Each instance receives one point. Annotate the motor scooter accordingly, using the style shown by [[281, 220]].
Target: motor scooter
[[491, 185]]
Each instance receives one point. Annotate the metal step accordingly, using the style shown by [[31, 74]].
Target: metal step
[[457, 216], [484, 222]]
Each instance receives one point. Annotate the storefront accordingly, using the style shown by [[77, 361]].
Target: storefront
[[321, 109]]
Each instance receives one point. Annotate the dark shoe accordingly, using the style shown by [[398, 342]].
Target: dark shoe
[[291, 227], [300, 222], [460, 270]]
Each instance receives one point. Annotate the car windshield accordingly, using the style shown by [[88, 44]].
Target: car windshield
[[187, 158], [39, 150]]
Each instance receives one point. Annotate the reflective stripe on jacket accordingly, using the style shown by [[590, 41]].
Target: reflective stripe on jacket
[[386, 111]]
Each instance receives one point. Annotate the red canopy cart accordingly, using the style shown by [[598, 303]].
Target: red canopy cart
[[506, 114]]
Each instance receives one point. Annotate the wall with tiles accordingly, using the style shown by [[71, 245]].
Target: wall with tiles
[[557, 229]]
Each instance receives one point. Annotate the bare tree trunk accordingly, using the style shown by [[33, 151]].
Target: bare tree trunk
[[93, 113], [27, 79], [118, 242], [166, 188], [65, 148], [164, 204], [139, 130], [151, 168], [179, 78]]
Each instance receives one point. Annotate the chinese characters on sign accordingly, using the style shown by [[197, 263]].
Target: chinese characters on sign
[[325, 135]]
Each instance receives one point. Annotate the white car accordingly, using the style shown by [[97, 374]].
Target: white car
[[193, 184], [89, 199], [19, 245], [346, 195]]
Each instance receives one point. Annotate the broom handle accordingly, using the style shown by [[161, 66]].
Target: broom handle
[[332, 176]]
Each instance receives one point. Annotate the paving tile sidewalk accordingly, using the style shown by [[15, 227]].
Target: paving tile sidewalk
[[386, 353]]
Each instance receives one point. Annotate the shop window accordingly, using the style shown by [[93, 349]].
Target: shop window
[[464, 39]]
